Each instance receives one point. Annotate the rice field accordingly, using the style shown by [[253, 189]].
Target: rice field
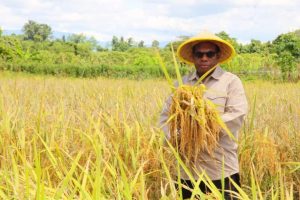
[[68, 138]]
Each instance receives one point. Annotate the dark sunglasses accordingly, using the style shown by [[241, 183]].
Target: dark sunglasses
[[209, 54]]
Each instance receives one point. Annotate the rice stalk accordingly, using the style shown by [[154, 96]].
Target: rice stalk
[[179, 79], [194, 127]]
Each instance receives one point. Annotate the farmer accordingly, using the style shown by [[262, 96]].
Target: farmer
[[205, 51]]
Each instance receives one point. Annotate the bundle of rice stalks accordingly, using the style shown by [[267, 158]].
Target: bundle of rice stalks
[[193, 123]]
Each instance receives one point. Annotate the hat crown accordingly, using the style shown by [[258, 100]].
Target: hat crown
[[206, 34], [184, 50]]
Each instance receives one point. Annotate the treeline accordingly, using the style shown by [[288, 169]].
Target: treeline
[[35, 51]]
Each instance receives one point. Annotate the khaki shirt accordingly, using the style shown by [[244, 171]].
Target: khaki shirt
[[226, 91]]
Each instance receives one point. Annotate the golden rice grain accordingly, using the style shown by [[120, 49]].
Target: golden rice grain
[[193, 124]]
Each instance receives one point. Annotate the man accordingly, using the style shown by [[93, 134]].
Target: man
[[226, 91]]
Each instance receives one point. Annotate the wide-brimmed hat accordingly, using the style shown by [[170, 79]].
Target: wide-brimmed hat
[[185, 50]]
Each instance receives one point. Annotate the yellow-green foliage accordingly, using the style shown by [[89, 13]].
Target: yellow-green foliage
[[98, 139]]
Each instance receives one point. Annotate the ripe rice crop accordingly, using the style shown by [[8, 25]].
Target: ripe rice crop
[[67, 138], [197, 121]]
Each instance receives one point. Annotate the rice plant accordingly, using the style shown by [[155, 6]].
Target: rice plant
[[67, 138]]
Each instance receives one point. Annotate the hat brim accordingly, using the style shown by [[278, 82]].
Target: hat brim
[[185, 50]]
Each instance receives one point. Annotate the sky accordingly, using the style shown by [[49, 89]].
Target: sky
[[160, 20]]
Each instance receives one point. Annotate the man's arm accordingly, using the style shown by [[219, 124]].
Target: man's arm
[[236, 106]]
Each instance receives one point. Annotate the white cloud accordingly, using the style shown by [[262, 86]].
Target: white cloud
[[10, 21], [153, 19], [265, 2]]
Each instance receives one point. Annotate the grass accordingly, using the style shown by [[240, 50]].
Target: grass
[[67, 138]]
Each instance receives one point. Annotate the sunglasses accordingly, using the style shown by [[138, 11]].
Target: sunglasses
[[209, 54]]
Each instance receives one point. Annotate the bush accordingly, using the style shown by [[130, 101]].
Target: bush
[[288, 66]]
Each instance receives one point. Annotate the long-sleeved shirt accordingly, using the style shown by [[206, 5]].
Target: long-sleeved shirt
[[226, 91]]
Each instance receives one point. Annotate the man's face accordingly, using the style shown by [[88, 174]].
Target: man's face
[[205, 57]]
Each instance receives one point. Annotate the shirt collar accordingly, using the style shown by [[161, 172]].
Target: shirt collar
[[217, 73]]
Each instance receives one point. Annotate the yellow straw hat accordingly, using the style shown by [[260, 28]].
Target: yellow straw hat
[[185, 50]]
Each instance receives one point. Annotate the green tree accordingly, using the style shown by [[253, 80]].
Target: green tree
[[155, 44], [288, 65], [11, 48], [94, 43], [84, 45], [100, 48], [289, 42], [141, 44], [225, 36], [60, 47], [36, 32], [130, 41], [121, 44], [83, 49], [287, 48], [1, 31], [77, 38], [114, 42], [255, 46]]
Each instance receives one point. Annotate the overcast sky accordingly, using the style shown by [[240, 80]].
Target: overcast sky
[[156, 19]]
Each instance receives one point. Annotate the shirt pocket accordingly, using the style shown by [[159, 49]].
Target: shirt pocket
[[219, 101]]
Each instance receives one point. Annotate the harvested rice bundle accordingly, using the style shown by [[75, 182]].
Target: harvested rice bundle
[[194, 122]]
